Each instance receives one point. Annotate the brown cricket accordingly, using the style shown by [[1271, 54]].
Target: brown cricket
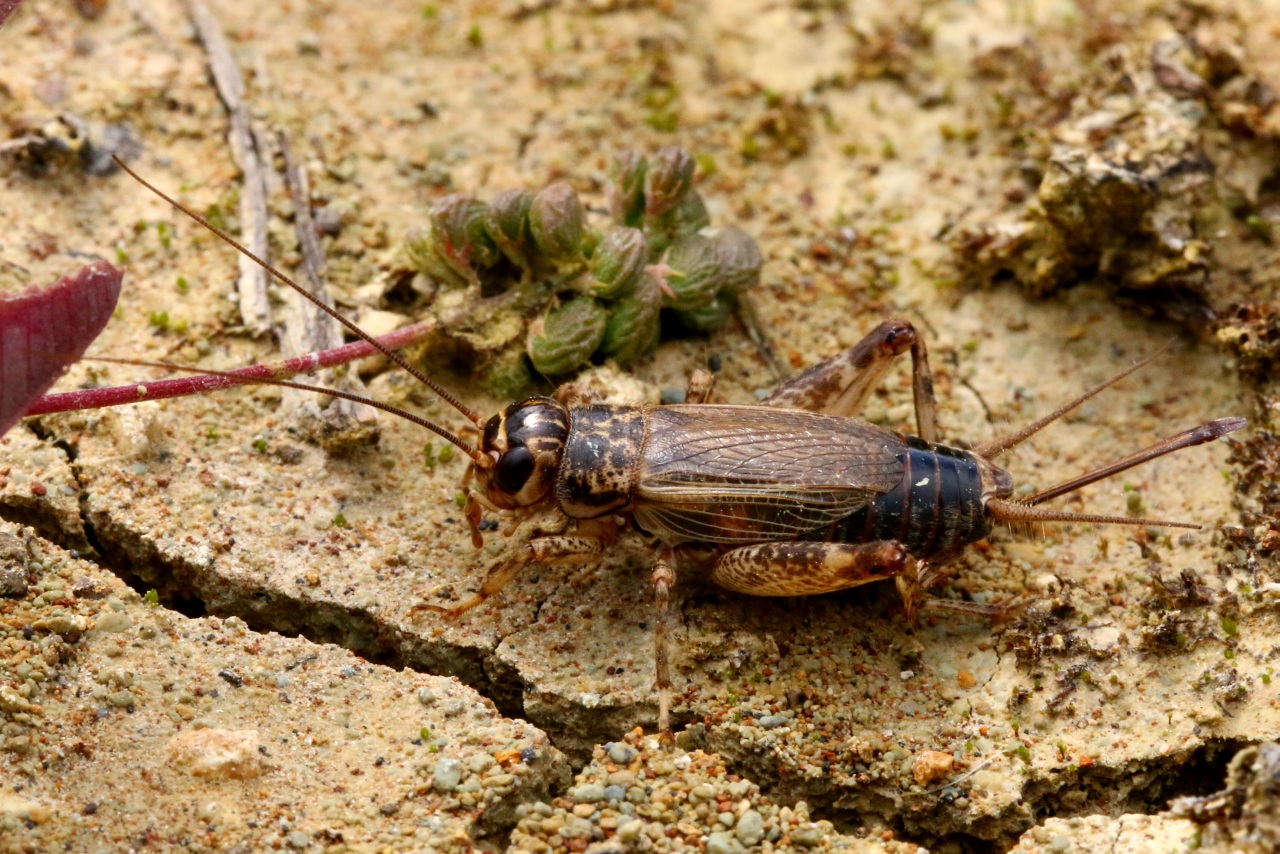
[[797, 496]]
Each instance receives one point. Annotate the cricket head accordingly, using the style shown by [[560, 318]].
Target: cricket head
[[525, 442]]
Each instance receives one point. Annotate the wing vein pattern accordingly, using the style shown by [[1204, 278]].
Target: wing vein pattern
[[742, 474]]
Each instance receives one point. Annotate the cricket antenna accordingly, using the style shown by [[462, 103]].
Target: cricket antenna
[[356, 330], [995, 447], [471, 452]]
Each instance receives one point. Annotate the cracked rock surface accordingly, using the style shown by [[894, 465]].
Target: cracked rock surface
[[128, 725], [892, 162]]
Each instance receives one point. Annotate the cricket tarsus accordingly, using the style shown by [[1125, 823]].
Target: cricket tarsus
[[449, 398], [237, 379]]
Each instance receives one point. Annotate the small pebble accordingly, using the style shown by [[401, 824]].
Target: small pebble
[[614, 793], [448, 774], [329, 220], [672, 396], [299, 840], [771, 722], [113, 622], [750, 828], [931, 765], [13, 583], [620, 754], [807, 837], [630, 831], [722, 842], [588, 793]]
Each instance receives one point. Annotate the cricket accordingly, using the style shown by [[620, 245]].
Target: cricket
[[795, 496]]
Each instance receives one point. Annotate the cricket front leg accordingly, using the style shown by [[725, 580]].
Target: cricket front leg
[[806, 568], [549, 550], [841, 384]]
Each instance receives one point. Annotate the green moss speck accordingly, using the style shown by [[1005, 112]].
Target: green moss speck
[[1260, 227]]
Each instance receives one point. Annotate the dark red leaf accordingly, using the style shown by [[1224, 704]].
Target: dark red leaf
[[43, 330], [7, 8]]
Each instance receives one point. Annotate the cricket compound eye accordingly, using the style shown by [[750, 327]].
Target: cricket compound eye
[[528, 438], [513, 469]]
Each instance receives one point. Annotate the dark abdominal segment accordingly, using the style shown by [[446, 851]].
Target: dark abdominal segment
[[934, 512]]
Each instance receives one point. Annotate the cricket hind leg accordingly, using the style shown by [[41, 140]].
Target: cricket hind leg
[[548, 550], [806, 568], [841, 384]]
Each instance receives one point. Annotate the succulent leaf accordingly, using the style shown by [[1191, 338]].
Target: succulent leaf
[[628, 187], [739, 258], [508, 225], [633, 327], [713, 315], [694, 277], [461, 237], [667, 180], [689, 216], [423, 249], [565, 339], [555, 220], [618, 262]]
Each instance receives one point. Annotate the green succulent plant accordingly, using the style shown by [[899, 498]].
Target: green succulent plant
[[588, 293]]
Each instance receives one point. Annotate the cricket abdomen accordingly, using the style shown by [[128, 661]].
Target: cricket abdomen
[[934, 512], [598, 469]]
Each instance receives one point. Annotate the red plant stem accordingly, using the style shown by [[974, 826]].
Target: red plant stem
[[96, 398]]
